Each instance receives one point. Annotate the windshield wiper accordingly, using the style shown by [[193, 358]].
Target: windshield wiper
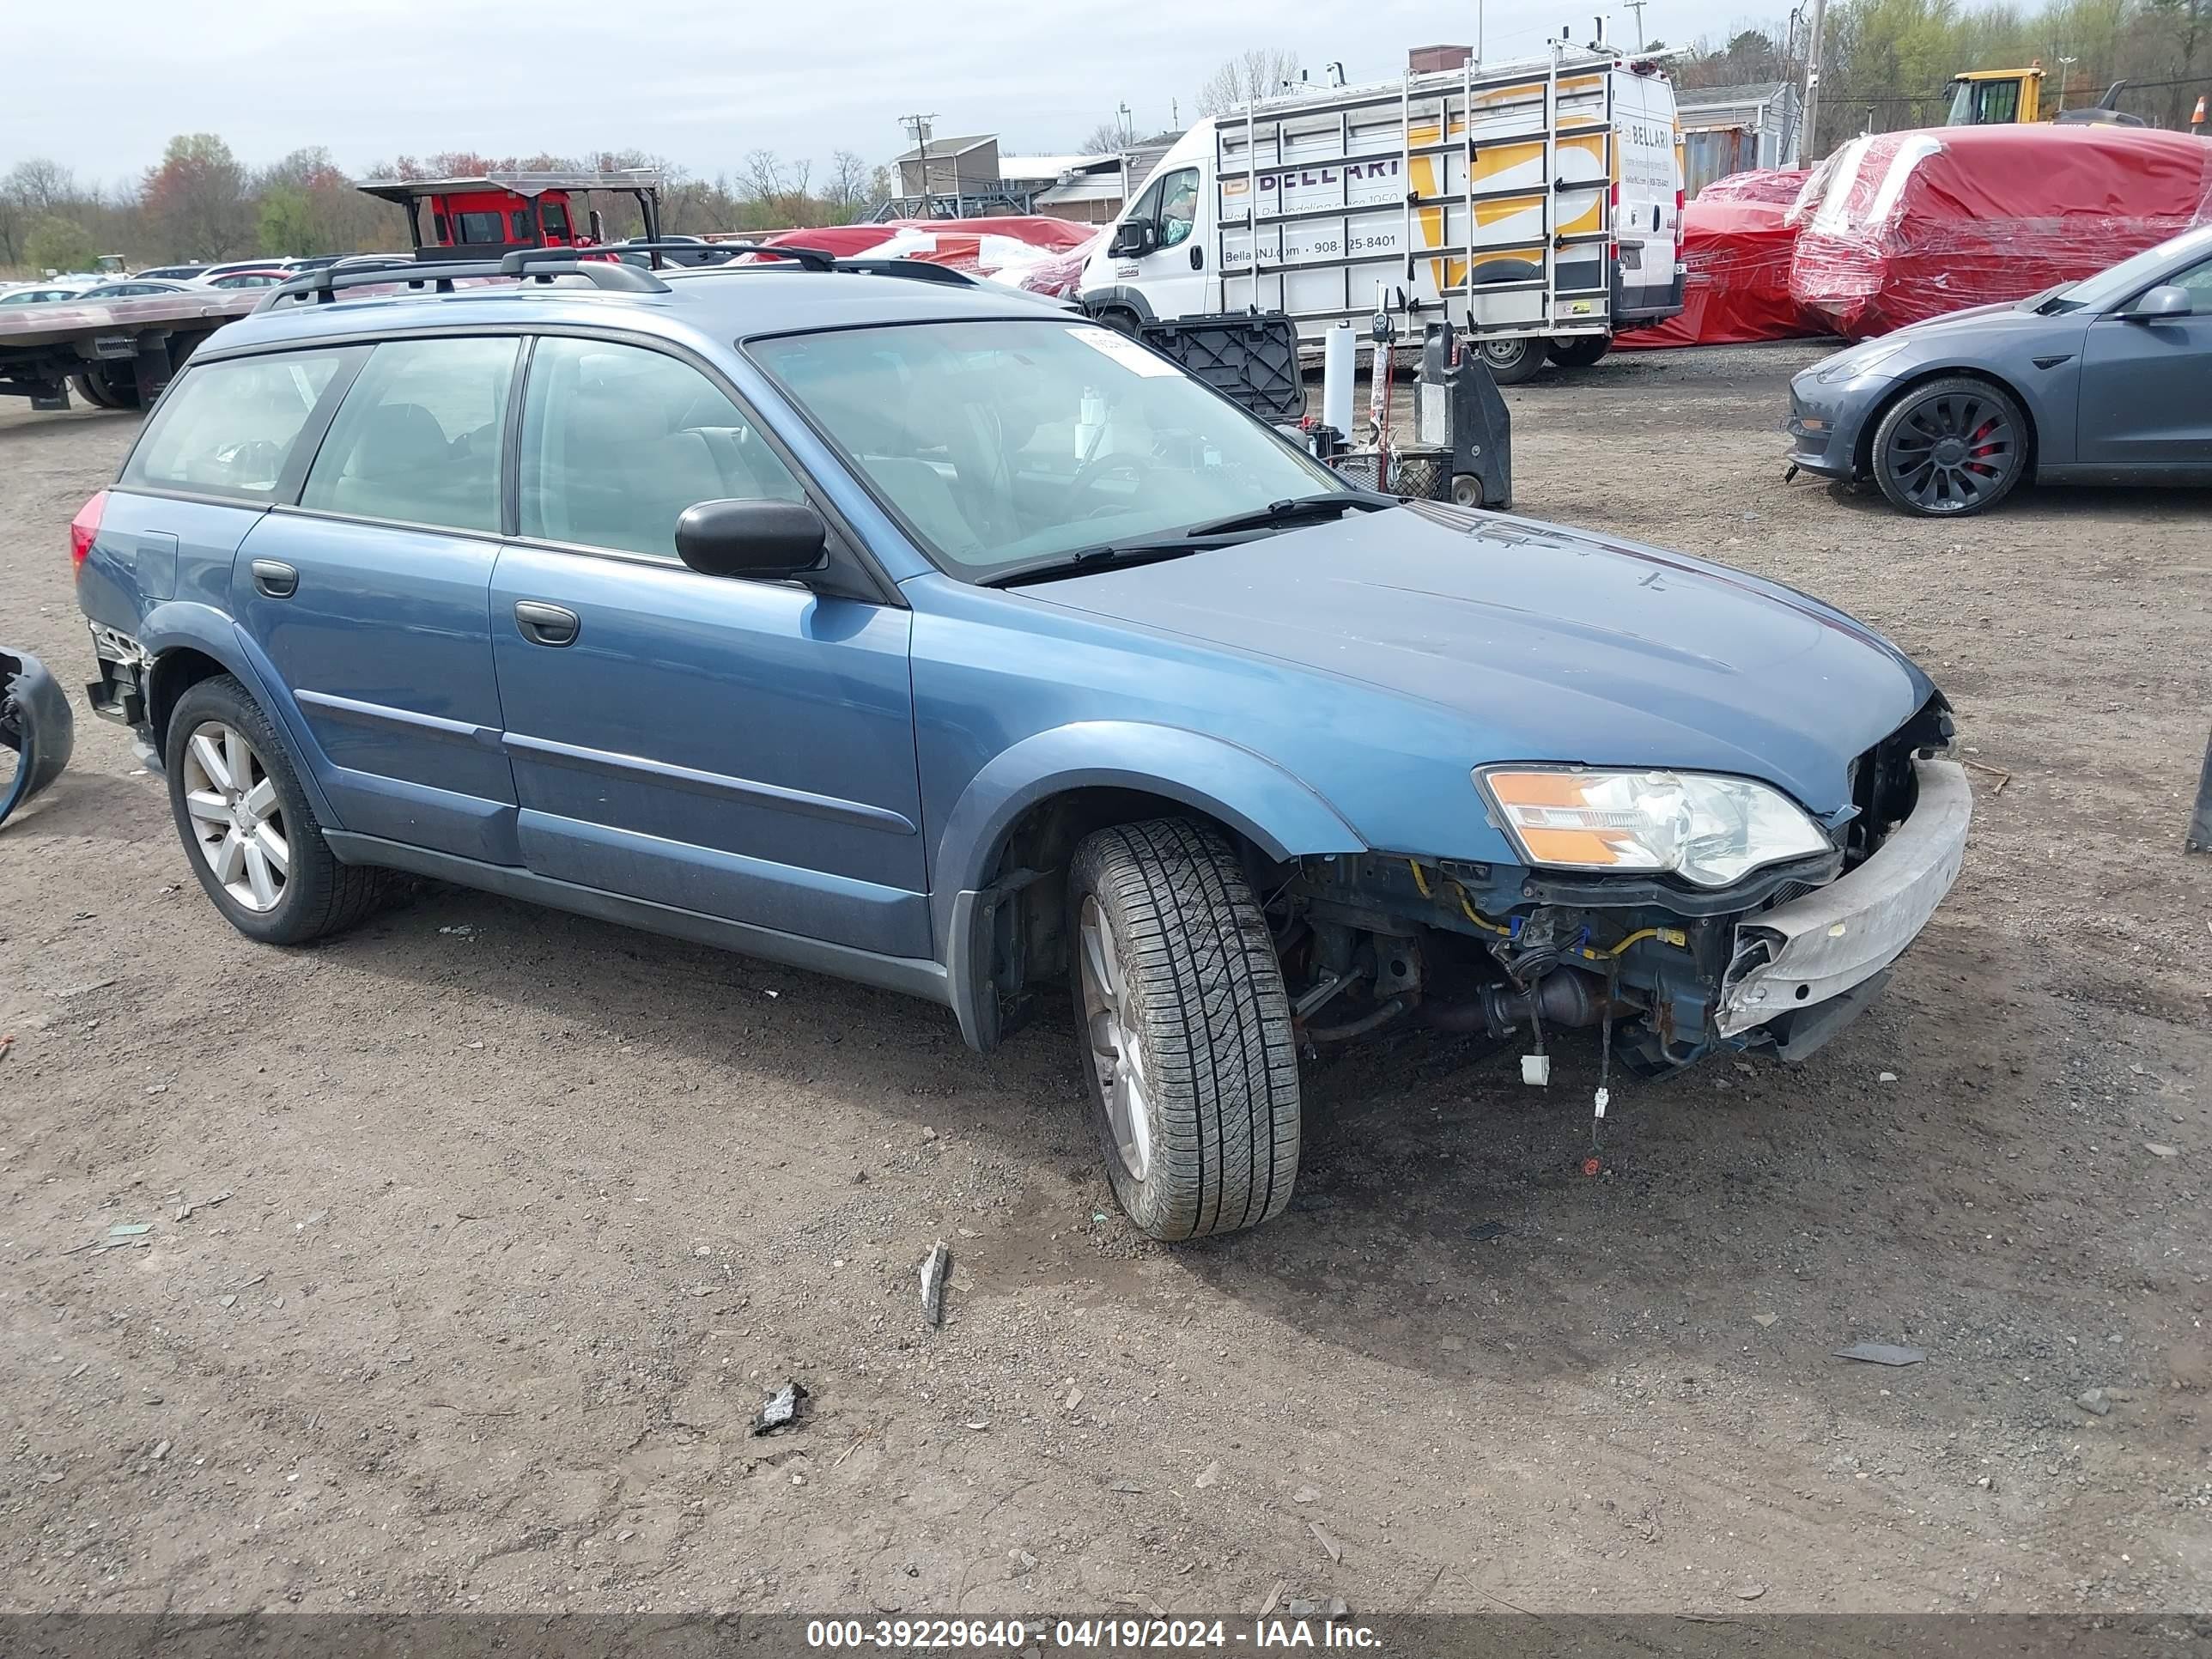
[[1151, 550], [1297, 510]]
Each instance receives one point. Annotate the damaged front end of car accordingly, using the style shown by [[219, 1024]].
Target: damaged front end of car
[[37, 730], [1728, 919]]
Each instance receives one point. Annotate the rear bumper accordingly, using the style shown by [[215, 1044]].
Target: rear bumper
[[35, 722], [1820, 948]]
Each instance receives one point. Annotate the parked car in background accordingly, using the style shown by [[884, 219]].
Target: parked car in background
[[1059, 674], [135, 287], [171, 273], [262, 278], [36, 293], [2107, 380]]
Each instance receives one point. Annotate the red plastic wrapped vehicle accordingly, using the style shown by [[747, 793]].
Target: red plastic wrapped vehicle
[[1736, 288], [1777, 185], [1905, 226], [1004, 248]]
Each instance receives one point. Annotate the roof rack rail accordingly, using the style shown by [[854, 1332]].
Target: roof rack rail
[[541, 264], [819, 259], [917, 270]]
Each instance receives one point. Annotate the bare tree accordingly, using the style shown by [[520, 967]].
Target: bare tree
[[1260, 73], [779, 186], [41, 185], [1104, 138], [848, 191]]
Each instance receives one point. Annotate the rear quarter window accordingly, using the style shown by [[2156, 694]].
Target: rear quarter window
[[229, 428]]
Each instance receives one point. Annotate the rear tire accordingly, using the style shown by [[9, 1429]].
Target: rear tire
[[249, 833], [1513, 362], [1579, 351], [94, 390], [1184, 1030]]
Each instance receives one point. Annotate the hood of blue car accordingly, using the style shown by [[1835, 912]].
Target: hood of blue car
[[1553, 645]]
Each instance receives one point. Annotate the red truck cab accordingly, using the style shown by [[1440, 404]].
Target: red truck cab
[[496, 213]]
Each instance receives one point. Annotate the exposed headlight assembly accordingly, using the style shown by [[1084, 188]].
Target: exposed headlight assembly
[[1706, 828]]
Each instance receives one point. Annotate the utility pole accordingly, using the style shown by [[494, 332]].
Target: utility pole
[[918, 126], [1128, 132], [2065, 69], [1637, 6], [1806, 149]]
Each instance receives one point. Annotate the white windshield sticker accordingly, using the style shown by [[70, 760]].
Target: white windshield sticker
[[1137, 360]]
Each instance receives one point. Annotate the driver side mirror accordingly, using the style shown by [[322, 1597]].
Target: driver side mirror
[[1134, 237], [2166, 300], [758, 541]]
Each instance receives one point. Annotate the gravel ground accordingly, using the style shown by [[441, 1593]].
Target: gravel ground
[[522, 1216]]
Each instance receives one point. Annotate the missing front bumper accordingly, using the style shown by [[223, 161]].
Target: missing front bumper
[[1815, 949]]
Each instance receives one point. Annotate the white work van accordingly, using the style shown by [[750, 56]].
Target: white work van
[[1534, 205]]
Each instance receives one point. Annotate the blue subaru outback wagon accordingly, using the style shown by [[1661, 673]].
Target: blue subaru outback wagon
[[927, 634]]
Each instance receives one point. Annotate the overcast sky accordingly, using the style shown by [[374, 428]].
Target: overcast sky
[[101, 89]]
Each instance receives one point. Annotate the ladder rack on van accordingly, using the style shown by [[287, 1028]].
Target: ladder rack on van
[[1470, 192]]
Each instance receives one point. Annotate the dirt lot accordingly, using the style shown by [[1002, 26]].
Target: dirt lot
[[525, 1214]]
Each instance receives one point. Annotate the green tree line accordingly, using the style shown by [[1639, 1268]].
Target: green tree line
[[1886, 64]]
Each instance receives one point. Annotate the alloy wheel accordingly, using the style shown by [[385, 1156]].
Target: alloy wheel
[[1952, 452], [237, 818], [1116, 1058]]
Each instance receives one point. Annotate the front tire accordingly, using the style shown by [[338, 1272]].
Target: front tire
[[1513, 362], [1184, 1030], [249, 833], [1950, 447]]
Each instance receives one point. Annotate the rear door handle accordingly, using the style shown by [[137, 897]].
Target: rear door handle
[[275, 579], [545, 624]]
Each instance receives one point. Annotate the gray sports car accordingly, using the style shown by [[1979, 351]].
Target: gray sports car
[[2105, 380]]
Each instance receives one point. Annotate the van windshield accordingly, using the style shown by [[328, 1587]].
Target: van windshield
[[1002, 443]]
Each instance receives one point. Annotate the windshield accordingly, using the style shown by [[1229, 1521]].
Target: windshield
[[2116, 282], [1005, 442]]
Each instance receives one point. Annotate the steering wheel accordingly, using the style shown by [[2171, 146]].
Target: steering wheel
[[1100, 467]]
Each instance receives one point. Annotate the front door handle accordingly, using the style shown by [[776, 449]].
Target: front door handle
[[545, 624], [275, 579]]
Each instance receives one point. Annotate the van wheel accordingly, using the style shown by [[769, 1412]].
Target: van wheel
[[249, 833], [1580, 351], [1513, 362], [1120, 319], [1185, 1029]]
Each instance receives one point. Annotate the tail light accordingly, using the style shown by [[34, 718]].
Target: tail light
[[84, 529]]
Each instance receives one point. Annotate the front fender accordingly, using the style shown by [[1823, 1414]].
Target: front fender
[[186, 625], [1253, 796], [1260, 800]]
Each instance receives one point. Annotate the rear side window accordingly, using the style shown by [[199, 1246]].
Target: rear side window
[[618, 440], [417, 439], [227, 428]]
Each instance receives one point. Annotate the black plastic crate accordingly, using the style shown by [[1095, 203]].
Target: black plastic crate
[[1251, 358]]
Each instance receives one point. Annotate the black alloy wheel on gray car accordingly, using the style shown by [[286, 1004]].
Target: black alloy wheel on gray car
[[1951, 446], [249, 833], [1513, 362], [1184, 1027]]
